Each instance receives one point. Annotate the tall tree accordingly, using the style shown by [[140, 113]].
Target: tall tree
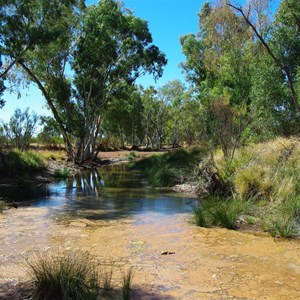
[[114, 49], [106, 46], [283, 42]]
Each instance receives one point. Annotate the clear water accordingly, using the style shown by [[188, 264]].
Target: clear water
[[110, 192]]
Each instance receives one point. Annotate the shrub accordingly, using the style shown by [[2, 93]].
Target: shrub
[[61, 173], [64, 276], [170, 168]]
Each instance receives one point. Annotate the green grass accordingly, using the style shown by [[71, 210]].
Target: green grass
[[21, 163], [268, 175], [64, 276], [222, 212], [127, 285], [132, 156], [3, 206], [61, 173], [170, 168]]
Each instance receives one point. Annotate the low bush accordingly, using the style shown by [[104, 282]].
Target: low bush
[[64, 276], [61, 173], [172, 167]]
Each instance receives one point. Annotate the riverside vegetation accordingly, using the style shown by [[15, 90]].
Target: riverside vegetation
[[258, 188], [73, 275]]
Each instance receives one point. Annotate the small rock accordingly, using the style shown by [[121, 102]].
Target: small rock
[[167, 253]]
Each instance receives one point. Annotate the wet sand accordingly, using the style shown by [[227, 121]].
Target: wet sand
[[207, 264]]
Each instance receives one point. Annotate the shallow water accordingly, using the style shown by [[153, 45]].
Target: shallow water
[[115, 216]]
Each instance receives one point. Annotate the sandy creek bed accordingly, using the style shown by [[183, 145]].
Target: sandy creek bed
[[207, 264]]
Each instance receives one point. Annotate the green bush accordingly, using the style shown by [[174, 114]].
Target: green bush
[[61, 173], [64, 276], [170, 168]]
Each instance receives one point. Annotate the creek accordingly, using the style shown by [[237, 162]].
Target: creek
[[113, 214]]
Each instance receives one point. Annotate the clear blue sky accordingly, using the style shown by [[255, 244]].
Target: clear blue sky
[[167, 20]]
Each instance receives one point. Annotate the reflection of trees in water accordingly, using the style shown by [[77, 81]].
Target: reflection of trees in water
[[92, 182], [85, 183]]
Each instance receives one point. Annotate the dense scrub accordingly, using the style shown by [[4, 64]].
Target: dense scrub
[[170, 168], [265, 175]]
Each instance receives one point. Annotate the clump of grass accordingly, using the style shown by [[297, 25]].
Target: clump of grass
[[62, 173], [132, 156], [223, 212], [64, 276], [163, 177], [56, 155], [20, 163], [284, 220], [3, 205], [127, 285]]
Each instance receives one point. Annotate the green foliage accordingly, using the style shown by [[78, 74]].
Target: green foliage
[[132, 155], [50, 134], [284, 220], [16, 163], [20, 128], [127, 285], [61, 173], [65, 276], [222, 212], [3, 205], [170, 168]]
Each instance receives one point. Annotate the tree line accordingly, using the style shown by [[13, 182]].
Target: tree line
[[242, 74]]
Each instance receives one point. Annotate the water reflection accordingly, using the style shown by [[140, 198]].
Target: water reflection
[[108, 193], [23, 191]]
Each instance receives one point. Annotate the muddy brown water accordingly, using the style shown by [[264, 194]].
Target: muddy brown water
[[122, 222]]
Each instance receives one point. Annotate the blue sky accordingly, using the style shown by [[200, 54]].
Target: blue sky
[[167, 20]]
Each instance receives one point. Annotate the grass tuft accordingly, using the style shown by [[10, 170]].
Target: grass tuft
[[3, 206], [61, 173], [132, 156], [223, 212], [64, 276], [127, 285]]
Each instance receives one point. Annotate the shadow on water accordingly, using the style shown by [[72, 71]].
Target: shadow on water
[[23, 191], [111, 192]]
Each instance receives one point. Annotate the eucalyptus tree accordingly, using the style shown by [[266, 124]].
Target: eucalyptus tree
[[123, 117], [218, 65], [85, 56], [281, 44], [20, 128], [113, 50]]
